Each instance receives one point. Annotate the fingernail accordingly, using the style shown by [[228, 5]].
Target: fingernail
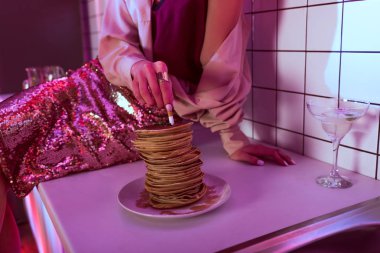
[[285, 163], [162, 76], [293, 162], [169, 109], [260, 162]]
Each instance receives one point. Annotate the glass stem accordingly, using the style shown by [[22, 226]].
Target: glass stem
[[334, 170]]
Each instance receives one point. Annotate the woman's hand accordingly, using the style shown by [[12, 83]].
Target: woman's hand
[[145, 86], [253, 152]]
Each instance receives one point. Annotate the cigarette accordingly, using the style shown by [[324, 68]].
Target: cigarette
[[169, 109]]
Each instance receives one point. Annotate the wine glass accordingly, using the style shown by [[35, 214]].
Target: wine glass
[[337, 116]]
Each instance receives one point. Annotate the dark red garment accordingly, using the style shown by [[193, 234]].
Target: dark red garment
[[178, 28]]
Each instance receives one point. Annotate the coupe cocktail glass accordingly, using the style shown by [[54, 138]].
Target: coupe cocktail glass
[[337, 117]]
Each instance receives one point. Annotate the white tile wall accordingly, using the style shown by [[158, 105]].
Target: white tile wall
[[264, 31], [318, 149], [291, 3], [322, 73], [360, 76], [291, 71], [314, 2], [264, 107], [292, 29], [361, 26], [247, 6], [290, 141], [264, 133], [361, 162], [323, 34], [246, 127], [290, 111], [264, 69], [330, 48], [248, 106], [364, 132], [264, 5], [297, 51]]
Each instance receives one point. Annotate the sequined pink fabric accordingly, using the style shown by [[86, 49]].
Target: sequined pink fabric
[[69, 125]]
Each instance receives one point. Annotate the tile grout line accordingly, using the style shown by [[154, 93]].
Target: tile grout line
[[252, 93], [304, 82], [276, 77], [377, 155]]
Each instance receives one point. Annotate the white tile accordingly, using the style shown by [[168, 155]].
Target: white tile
[[264, 133], [291, 3], [292, 29], [319, 150], [357, 161], [94, 40], [264, 5], [93, 24], [249, 19], [364, 133], [264, 106], [313, 126], [360, 76], [378, 170], [100, 21], [247, 6], [312, 2], [290, 141], [361, 26], [291, 71], [102, 5], [264, 69], [248, 105], [290, 111], [246, 127], [264, 30], [91, 8], [322, 73], [324, 34], [94, 53], [248, 55]]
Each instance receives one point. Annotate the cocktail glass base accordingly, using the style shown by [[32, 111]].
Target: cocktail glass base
[[339, 182]]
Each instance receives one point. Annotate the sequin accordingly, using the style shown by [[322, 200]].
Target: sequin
[[73, 124]]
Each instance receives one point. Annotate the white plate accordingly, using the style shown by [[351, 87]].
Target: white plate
[[134, 198]]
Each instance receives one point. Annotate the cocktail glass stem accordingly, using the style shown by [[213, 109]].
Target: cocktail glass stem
[[334, 180], [334, 170]]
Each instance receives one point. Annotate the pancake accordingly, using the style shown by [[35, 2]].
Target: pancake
[[174, 177]]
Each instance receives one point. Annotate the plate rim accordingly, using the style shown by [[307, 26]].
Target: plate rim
[[226, 193]]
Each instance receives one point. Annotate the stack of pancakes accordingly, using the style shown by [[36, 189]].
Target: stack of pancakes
[[174, 177]]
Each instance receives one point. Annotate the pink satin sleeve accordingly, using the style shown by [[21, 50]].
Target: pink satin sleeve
[[119, 44], [218, 100]]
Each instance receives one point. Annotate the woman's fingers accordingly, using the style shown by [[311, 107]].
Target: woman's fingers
[[146, 86], [287, 158], [263, 151], [145, 92], [279, 159], [140, 84], [164, 83], [153, 85], [243, 156], [136, 91]]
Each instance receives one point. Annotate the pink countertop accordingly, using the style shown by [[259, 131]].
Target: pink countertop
[[87, 217]]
